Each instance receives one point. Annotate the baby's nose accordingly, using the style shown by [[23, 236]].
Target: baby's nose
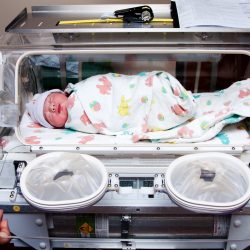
[[52, 107]]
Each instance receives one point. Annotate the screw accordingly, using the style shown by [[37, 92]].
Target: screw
[[42, 245], [237, 223], [233, 247], [39, 222]]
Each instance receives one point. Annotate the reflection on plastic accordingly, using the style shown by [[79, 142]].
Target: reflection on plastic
[[8, 115]]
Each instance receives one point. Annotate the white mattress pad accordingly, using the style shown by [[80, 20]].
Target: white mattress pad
[[34, 134]]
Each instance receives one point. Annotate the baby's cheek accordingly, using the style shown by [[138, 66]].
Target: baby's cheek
[[46, 116], [64, 118]]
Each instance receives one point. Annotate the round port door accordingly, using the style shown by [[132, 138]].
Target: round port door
[[208, 182], [61, 181]]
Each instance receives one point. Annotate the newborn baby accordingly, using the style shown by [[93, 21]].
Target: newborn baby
[[116, 104]]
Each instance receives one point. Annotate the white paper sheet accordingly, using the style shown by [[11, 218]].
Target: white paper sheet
[[226, 13]]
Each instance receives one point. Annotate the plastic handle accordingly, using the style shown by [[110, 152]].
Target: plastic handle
[[63, 173]]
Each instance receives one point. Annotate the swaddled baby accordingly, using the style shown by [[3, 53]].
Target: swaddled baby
[[116, 104]]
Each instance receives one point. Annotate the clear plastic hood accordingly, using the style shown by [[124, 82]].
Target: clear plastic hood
[[204, 73]]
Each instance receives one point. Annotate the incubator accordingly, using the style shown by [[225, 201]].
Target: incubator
[[61, 188]]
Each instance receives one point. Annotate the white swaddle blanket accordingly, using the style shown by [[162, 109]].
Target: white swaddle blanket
[[115, 104], [153, 106]]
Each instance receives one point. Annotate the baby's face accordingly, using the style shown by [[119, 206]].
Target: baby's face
[[55, 109]]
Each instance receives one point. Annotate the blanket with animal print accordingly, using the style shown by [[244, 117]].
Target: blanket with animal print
[[115, 104], [153, 106]]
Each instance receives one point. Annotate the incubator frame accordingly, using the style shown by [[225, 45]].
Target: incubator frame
[[125, 206]]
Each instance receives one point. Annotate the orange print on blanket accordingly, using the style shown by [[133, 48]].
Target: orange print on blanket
[[38, 131], [145, 124], [149, 81], [85, 119], [178, 110], [244, 93], [86, 139], [136, 138], [32, 140], [176, 92], [99, 126], [95, 106], [185, 132], [34, 125], [222, 112], [207, 112], [105, 86], [227, 103]]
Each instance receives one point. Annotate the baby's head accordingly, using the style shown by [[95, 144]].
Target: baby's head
[[49, 109]]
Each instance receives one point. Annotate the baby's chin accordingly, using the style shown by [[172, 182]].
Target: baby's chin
[[58, 125]]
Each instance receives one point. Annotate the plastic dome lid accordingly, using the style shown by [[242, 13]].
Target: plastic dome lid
[[62, 181], [208, 182]]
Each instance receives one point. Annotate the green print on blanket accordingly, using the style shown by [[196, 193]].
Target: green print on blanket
[[223, 138], [205, 125], [184, 95], [68, 131], [142, 74], [219, 93], [209, 102], [144, 99], [125, 125], [233, 119], [163, 90], [246, 103], [95, 106], [196, 96], [160, 117]]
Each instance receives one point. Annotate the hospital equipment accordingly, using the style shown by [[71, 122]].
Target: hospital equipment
[[135, 207]]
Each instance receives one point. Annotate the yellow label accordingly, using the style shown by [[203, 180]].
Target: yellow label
[[85, 229], [16, 208]]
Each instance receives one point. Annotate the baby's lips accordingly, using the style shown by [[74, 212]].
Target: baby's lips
[[59, 108]]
